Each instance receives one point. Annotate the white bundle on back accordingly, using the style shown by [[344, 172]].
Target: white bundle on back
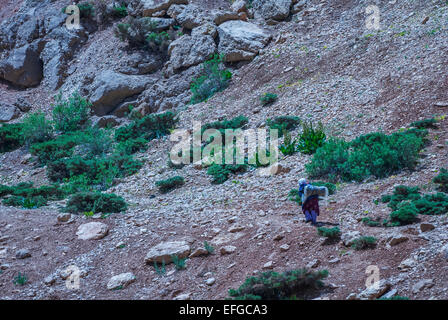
[[311, 190]]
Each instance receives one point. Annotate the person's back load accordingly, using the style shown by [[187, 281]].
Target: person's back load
[[311, 190]]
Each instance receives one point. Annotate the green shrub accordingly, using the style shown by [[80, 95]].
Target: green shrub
[[120, 11], [58, 148], [374, 154], [95, 142], [311, 138], [425, 124], [221, 172], [395, 298], [289, 146], [170, 184], [432, 204], [294, 196], [10, 137], [364, 242], [235, 123], [36, 128], [214, 78], [279, 286], [401, 193], [95, 202], [405, 213], [72, 114], [20, 279], [27, 203], [179, 263], [159, 41], [329, 233], [442, 180], [208, 247], [132, 146], [268, 98], [26, 196], [370, 222], [283, 123], [150, 127]]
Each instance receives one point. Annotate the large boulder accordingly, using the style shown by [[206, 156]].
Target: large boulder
[[111, 88], [241, 41], [92, 231], [188, 50], [272, 9], [8, 112], [188, 16], [149, 7], [22, 67], [165, 250]]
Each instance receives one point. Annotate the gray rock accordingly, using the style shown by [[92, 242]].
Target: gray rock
[[23, 254], [348, 238], [64, 217], [422, 284], [92, 231], [188, 50], [221, 16], [121, 281], [241, 41], [22, 67], [397, 239], [110, 88], [227, 250], [148, 7], [425, 227], [8, 112], [375, 291], [163, 251], [210, 281], [105, 121], [272, 9], [188, 16], [23, 104]]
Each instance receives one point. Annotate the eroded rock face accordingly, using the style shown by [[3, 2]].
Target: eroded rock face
[[189, 51], [241, 41], [22, 67], [149, 7], [110, 88], [272, 9], [163, 251], [188, 16]]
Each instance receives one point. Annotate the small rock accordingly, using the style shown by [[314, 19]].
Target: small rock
[[184, 296], [210, 281], [64, 217], [335, 260], [425, 227], [407, 264], [236, 228], [199, 252], [49, 280], [422, 284], [313, 264], [375, 291], [397, 239], [268, 265], [92, 231], [227, 250], [279, 237], [23, 254], [120, 281], [284, 247]]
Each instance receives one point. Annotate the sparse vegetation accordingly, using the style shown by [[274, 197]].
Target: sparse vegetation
[[160, 270], [364, 242], [214, 78], [11, 137], [72, 114], [36, 128], [279, 286], [221, 172], [179, 263], [283, 123], [96, 202], [425, 124], [21, 279], [311, 138], [170, 184], [289, 145], [208, 247], [268, 98], [332, 234], [442, 180]]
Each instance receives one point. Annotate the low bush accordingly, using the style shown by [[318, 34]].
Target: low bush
[[214, 78], [370, 222], [167, 185], [10, 137], [72, 114], [132, 146], [27, 203], [405, 213], [279, 286], [374, 154], [425, 124], [179, 263], [289, 145], [442, 180], [364, 242], [268, 98], [26, 196], [86, 10], [283, 123], [95, 202], [150, 127], [401, 193], [432, 204], [120, 11], [36, 128], [311, 138], [329, 233], [221, 172]]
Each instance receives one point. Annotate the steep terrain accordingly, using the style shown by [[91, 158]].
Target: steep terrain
[[324, 65]]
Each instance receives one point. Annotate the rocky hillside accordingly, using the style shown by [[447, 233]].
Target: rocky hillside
[[88, 191]]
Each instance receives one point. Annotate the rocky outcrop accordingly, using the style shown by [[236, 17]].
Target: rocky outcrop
[[164, 251], [111, 88], [272, 9], [241, 41], [188, 16], [148, 8], [8, 112], [22, 67], [189, 51]]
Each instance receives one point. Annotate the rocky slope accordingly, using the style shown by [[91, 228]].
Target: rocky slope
[[324, 65]]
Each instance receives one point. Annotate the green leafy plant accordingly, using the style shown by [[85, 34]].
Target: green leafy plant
[[170, 184], [95, 202], [311, 138], [20, 279], [442, 180], [72, 114], [268, 98], [279, 286], [214, 78], [364, 242], [289, 145], [208, 247], [329, 233], [179, 263], [221, 173], [425, 124], [36, 128], [120, 11], [11, 137], [283, 123], [160, 270]]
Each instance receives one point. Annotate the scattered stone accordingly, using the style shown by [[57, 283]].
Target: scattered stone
[[92, 231], [8, 112], [375, 291], [422, 284], [313, 264], [189, 51], [284, 247], [268, 265], [348, 238], [184, 296], [425, 227], [163, 251], [441, 104], [407, 264], [210, 281], [23, 254], [236, 228], [227, 250], [397, 239], [272, 9], [120, 281], [199, 252], [64, 217], [49, 280], [334, 260]]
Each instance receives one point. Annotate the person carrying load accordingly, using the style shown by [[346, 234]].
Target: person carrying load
[[310, 196]]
